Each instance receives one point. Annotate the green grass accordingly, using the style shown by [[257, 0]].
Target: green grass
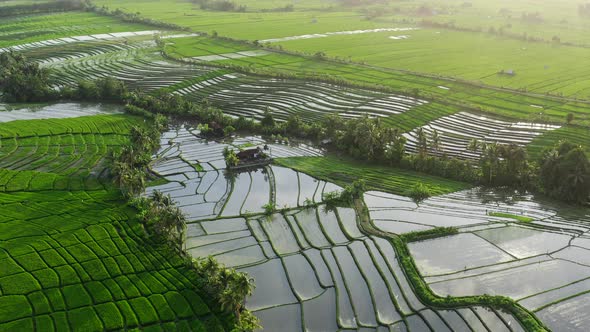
[[26, 29], [250, 25], [540, 67], [76, 146], [77, 248], [70, 245], [511, 216], [344, 171], [475, 57]]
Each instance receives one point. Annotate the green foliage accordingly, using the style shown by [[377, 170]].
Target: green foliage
[[229, 287], [268, 120], [269, 208], [162, 218], [511, 216], [428, 234], [353, 191], [247, 323], [23, 81], [231, 159], [565, 172], [102, 89], [419, 192]]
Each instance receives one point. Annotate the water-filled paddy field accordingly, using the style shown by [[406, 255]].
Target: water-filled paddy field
[[308, 256]]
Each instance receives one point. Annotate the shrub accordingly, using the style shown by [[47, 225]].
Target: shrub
[[269, 208], [419, 192]]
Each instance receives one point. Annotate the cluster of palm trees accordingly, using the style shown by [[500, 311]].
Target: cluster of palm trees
[[129, 165], [424, 145], [162, 218], [503, 164], [565, 172], [227, 286]]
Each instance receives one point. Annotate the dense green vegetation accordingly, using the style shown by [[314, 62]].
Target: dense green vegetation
[[565, 172]]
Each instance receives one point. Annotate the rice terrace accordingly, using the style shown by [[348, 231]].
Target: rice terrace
[[294, 165]]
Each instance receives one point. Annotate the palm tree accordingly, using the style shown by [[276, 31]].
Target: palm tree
[[422, 142], [491, 157], [238, 287], [473, 145], [435, 142]]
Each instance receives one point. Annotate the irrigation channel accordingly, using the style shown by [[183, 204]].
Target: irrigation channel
[[316, 270]]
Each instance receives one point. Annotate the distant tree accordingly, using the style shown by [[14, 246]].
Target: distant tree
[[422, 142], [22, 80], [268, 119], [569, 118], [473, 145], [565, 172], [435, 142]]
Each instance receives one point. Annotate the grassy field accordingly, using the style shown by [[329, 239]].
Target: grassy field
[[75, 147], [478, 57], [344, 171], [539, 67], [560, 18], [77, 260], [306, 18], [18, 30], [74, 256]]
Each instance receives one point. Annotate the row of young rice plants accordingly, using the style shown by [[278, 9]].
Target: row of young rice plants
[[78, 260], [74, 256], [22, 29], [499, 102], [243, 96], [75, 147], [133, 63]]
